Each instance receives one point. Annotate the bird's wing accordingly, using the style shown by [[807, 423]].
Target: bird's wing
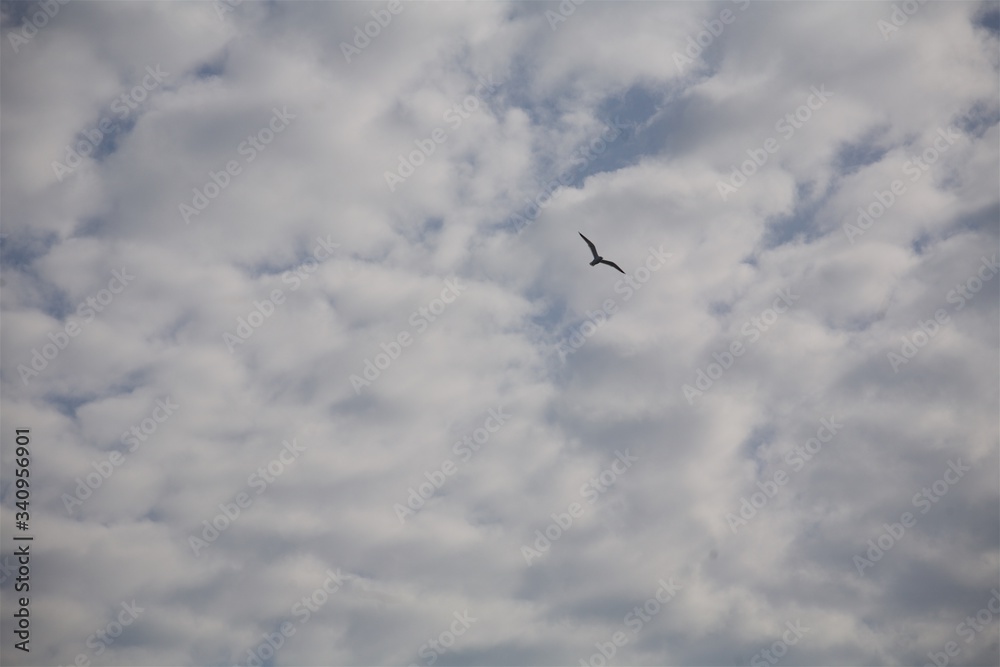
[[604, 261], [592, 248]]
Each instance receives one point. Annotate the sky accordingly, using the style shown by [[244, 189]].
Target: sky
[[303, 362]]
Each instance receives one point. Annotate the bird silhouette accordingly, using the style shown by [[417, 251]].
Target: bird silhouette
[[597, 258]]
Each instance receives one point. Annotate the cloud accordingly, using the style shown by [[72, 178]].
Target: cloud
[[196, 264]]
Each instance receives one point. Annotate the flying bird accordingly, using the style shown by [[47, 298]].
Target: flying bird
[[597, 258]]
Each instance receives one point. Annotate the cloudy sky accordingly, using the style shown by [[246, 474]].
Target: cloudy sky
[[314, 370]]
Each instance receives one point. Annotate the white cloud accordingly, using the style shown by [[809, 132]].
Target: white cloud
[[248, 262]]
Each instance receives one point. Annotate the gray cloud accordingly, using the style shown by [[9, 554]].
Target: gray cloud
[[295, 267]]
